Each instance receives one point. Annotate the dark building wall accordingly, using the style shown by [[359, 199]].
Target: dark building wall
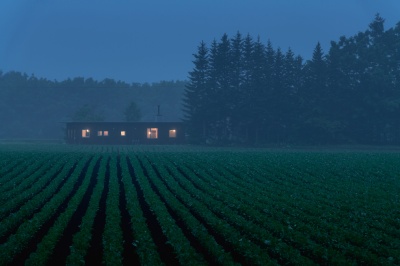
[[135, 133]]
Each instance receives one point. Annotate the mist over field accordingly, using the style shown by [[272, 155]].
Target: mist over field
[[154, 132], [240, 91], [36, 108], [249, 74]]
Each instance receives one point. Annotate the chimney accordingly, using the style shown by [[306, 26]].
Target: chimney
[[158, 116]]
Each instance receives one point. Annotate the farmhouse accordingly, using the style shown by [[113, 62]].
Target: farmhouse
[[124, 133]]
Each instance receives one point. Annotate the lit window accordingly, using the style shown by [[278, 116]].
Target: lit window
[[172, 133], [99, 133], [123, 133], [152, 133], [105, 133], [85, 133]]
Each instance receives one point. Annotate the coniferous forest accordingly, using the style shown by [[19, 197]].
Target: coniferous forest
[[243, 91]]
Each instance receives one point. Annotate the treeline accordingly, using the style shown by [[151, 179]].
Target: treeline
[[17, 80], [35, 108], [243, 91]]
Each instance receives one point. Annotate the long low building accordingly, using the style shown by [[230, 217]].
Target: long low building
[[124, 133]]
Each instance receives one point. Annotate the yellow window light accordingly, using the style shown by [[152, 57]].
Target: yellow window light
[[85, 133], [152, 133], [172, 133]]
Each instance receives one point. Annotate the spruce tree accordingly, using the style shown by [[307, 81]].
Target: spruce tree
[[269, 65], [289, 79], [213, 97], [315, 124], [222, 80], [236, 91], [259, 91], [247, 93], [197, 95], [285, 94], [277, 99]]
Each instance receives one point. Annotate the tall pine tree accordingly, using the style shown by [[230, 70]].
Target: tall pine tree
[[196, 96]]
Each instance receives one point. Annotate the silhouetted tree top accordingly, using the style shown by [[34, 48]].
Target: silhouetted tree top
[[88, 113], [132, 113], [376, 27]]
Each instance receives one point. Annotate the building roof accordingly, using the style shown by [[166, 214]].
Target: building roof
[[122, 122]]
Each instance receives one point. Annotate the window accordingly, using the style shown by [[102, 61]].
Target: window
[[123, 133], [85, 133], [152, 133], [172, 133], [102, 133]]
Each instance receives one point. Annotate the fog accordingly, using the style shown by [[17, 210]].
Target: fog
[[59, 57]]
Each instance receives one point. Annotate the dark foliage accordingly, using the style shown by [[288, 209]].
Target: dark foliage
[[241, 91], [132, 113], [87, 113]]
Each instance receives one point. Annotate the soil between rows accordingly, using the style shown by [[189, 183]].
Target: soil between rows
[[129, 254], [95, 251], [38, 236], [62, 249], [13, 230], [166, 251]]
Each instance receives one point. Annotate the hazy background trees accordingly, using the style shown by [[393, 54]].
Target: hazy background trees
[[132, 113], [88, 113], [36, 108], [243, 91]]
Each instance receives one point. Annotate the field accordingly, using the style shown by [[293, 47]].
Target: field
[[186, 205]]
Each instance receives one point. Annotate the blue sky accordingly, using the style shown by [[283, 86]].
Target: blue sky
[[153, 40]]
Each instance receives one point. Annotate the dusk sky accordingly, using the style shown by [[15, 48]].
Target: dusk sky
[[153, 40]]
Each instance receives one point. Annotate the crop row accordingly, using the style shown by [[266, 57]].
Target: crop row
[[300, 225], [32, 181], [20, 240], [190, 206], [180, 245], [41, 192], [45, 248], [294, 211]]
